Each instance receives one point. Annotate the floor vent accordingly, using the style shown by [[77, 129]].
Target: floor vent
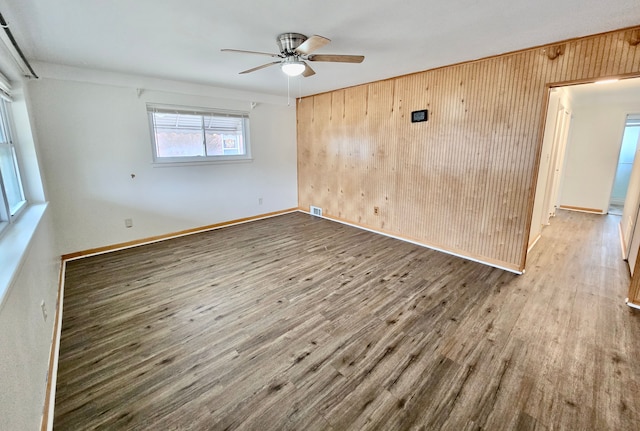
[[316, 211]]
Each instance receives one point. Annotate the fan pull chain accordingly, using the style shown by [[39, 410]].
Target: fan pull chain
[[288, 92]]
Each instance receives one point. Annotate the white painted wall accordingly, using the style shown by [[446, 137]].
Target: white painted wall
[[593, 149], [29, 267], [94, 136], [25, 337]]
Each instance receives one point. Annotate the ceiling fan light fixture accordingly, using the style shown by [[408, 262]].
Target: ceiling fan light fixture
[[293, 67], [295, 50]]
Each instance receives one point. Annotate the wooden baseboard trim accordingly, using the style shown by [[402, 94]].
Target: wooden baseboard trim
[[534, 242], [50, 392], [505, 266], [152, 239], [581, 209], [632, 304], [623, 246]]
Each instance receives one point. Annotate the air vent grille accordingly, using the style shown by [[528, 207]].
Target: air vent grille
[[315, 211]]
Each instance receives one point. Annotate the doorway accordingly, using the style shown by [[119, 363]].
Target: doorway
[[581, 154], [628, 148], [629, 229], [551, 161]]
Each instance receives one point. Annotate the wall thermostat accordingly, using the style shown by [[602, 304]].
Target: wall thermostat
[[418, 116]]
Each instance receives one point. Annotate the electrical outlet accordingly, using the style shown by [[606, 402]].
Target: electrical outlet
[[376, 210], [259, 201], [128, 222]]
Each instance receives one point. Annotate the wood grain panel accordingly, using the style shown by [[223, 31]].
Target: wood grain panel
[[464, 180]]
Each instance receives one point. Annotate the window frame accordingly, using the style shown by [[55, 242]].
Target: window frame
[[203, 112], [7, 216]]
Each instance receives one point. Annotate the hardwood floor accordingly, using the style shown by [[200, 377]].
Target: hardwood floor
[[299, 323]]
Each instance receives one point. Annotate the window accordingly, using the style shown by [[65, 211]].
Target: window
[[188, 135], [11, 190]]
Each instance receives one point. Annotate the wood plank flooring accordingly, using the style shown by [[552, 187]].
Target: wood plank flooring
[[300, 323]]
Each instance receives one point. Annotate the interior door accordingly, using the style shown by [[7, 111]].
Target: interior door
[[555, 166], [634, 247], [552, 164], [629, 220], [539, 215]]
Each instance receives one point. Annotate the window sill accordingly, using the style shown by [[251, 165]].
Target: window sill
[[14, 245], [198, 163]]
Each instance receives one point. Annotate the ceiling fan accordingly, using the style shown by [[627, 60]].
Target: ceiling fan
[[295, 50]]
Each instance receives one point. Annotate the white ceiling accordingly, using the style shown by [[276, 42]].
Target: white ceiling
[[181, 40]]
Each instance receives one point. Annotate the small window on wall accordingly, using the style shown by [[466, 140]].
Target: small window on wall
[[181, 134]]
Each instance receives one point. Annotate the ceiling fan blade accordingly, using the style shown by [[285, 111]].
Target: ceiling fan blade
[[308, 71], [259, 67], [250, 52], [311, 44], [336, 58]]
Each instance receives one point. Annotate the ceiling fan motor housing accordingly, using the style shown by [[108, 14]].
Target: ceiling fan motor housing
[[288, 42]]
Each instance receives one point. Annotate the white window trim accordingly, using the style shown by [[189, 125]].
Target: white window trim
[[7, 217], [199, 160]]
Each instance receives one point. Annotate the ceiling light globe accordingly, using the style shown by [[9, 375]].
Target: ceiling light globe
[[293, 68]]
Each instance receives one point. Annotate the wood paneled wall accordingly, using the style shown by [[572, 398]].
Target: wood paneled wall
[[464, 180]]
